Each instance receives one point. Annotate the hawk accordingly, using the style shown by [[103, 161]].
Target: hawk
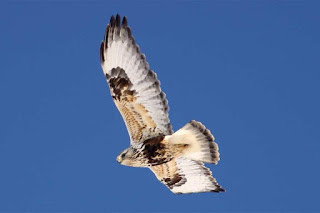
[[176, 158]]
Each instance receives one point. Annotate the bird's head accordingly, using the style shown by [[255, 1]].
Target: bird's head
[[127, 157]]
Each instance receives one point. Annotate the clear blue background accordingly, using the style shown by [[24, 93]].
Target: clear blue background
[[250, 71]]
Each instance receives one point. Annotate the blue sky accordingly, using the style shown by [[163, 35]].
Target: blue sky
[[248, 70]]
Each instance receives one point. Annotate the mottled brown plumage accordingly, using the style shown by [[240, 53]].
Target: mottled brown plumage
[[175, 158]]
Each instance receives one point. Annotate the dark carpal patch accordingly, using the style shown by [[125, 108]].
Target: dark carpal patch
[[177, 180], [120, 84]]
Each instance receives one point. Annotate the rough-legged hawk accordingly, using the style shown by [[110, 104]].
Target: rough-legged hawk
[[177, 159]]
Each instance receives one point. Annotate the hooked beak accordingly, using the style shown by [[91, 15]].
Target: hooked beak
[[118, 159]]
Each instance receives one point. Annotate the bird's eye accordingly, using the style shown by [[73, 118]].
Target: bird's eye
[[122, 156]]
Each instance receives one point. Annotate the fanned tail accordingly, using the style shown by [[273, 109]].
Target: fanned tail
[[199, 142]]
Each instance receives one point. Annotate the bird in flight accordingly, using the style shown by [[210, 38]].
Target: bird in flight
[[176, 158]]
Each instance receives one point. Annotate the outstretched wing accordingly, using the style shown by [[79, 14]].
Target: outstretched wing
[[182, 175], [134, 88]]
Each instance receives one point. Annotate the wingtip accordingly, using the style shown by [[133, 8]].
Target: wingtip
[[124, 21], [115, 21], [219, 189], [112, 21], [118, 18]]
